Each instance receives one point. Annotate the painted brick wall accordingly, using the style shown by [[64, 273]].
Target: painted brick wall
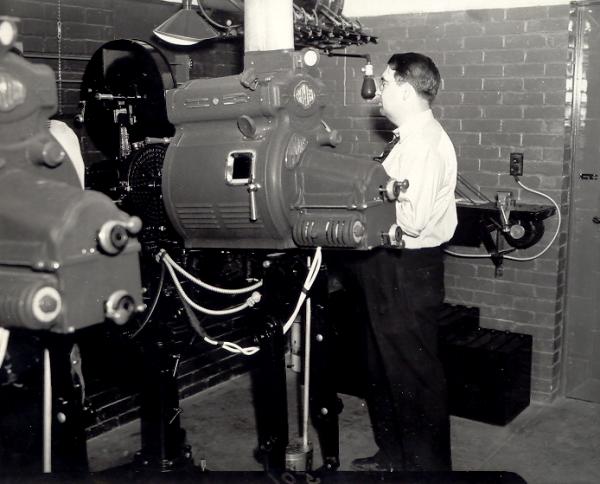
[[86, 26], [504, 90]]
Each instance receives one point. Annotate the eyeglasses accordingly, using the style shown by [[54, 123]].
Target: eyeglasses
[[382, 83]]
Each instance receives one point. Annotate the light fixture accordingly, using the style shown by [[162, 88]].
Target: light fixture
[[368, 89], [185, 27]]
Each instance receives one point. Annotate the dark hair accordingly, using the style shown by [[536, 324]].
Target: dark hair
[[419, 71]]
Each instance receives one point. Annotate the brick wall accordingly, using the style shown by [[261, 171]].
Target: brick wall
[[88, 24], [504, 90]]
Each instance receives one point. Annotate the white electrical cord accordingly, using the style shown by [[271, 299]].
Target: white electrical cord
[[254, 298], [251, 301], [47, 430], [543, 251], [467, 256], [233, 347], [4, 335], [203, 284], [310, 279], [306, 392], [520, 259], [154, 302]]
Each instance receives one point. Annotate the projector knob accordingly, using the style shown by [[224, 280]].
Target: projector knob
[[119, 307], [46, 304], [134, 225], [395, 236], [49, 153], [394, 188]]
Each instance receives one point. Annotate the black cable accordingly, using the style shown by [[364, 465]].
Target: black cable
[[468, 185], [212, 22], [464, 195], [154, 301], [195, 322]]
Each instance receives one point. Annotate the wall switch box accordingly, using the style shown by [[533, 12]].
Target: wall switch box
[[516, 164]]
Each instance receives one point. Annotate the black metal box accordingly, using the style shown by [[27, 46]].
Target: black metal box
[[488, 373], [457, 320], [348, 320]]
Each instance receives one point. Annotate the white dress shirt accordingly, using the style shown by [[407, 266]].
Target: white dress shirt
[[424, 156]]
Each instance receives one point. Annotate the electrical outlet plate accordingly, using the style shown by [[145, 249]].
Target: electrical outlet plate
[[516, 164]]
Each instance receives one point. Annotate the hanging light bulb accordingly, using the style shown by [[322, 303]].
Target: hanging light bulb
[[368, 88]]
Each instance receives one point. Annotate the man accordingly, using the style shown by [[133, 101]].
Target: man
[[404, 289]]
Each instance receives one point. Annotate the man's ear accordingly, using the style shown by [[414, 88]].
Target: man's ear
[[407, 91]]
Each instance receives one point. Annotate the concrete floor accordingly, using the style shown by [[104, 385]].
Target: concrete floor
[[545, 444]]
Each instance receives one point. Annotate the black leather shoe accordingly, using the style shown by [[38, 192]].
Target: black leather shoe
[[375, 463]]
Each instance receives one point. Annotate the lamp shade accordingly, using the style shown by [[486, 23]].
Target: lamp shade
[[185, 27]]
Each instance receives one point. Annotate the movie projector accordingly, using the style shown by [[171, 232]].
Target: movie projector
[[68, 257], [251, 163]]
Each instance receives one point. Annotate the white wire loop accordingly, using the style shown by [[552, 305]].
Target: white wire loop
[[520, 259], [250, 301], [543, 251], [233, 347], [253, 299], [308, 282], [220, 290]]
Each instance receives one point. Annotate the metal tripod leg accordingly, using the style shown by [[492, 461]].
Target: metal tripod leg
[[164, 447], [270, 397], [69, 447], [324, 402]]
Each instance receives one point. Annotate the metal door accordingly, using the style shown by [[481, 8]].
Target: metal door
[[583, 279]]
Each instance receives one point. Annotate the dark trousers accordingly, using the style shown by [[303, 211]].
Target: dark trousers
[[403, 291]]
